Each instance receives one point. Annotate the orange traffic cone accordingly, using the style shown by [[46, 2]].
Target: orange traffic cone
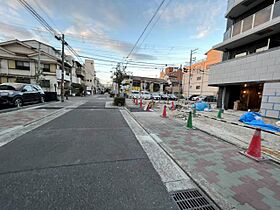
[[254, 150], [141, 103], [164, 115], [136, 101], [172, 106]]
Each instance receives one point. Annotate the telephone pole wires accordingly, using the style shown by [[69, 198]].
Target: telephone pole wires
[[190, 69]]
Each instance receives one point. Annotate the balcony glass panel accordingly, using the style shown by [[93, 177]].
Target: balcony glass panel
[[263, 16], [236, 28], [227, 34], [247, 23], [276, 12]]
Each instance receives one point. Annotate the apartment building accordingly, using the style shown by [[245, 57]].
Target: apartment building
[[20, 60], [90, 76], [250, 72], [196, 81]]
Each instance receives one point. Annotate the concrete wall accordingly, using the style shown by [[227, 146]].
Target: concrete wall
[[259, 67], [270, 106]]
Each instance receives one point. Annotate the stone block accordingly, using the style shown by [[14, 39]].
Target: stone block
[[274, 99], [272, 113], [276, 107], [269, 92], [264, 99], [267, 106]]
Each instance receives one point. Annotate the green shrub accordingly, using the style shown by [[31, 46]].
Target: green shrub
[[119, 101]]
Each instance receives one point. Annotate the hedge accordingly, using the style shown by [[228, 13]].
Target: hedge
[[119, 101]]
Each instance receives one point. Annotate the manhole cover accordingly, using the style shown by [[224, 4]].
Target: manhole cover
[[192, 199]]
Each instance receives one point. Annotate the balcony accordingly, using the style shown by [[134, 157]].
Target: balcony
[[237, 7], [76, 80], [80, 72], [259, 67], [59, 74], [262, 23]]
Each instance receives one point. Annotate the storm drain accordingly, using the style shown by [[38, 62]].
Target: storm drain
[[50, 107], [192, 199], [136, 110], [88, 107]]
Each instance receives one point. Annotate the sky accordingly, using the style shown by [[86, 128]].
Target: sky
[[106, 30]]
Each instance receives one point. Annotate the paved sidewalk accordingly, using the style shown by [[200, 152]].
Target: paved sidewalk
[[24, 116], [217, 166]]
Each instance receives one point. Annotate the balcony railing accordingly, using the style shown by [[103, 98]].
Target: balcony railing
[[260, 17]]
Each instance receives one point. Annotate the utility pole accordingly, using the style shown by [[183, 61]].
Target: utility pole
[[191, 60], [62, 71], [39, 65]]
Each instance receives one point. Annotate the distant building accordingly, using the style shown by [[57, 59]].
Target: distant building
[[249, 75], [90, 76], [199, 75], [144, 84], [173, 76]]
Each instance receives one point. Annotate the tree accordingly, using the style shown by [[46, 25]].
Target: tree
[[119, 75]]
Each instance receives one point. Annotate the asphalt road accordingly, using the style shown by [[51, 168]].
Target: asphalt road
[[86, 159]]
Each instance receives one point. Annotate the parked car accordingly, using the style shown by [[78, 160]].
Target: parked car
[[198, 98], [164, 96], [155, 96], [172, 97], [135, 94], [145, 95], [210, 98], [17, 94], [191, 97]]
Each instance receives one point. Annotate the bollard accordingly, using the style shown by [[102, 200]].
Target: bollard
[[189, 122], [219, 116], [141, 104]]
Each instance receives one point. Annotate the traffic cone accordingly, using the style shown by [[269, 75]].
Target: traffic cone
[[172, 106], [141, 103], [219, 116], [136, 101], [164, 115], [254, 150], [189, 122]]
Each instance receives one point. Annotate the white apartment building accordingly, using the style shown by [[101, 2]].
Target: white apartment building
[[90, 76], [250, 71]]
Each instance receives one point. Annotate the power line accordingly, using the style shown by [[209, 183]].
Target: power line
[[145, 29], [159, 16], [43, 22]]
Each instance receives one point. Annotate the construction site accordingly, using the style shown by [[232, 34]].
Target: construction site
[[228, 158]]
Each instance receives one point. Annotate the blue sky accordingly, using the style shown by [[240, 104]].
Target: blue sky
[[108, 29]]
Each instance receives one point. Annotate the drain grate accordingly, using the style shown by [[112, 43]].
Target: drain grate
[[50, 107], [136, 110], [192, 199]]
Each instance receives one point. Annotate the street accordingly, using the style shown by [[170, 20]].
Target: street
[[87, 158]]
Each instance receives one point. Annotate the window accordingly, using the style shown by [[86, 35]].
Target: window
[[45, 67], [45, 83], [22, 65], [28, 88], [197, 87], [198, 78], [241, 55]]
